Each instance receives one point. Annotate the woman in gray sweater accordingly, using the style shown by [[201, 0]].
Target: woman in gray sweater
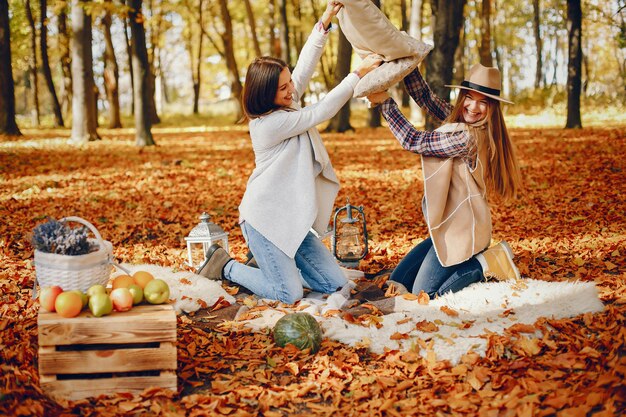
[[293, 186]]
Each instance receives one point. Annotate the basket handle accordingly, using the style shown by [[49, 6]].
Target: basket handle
[[89, 226]]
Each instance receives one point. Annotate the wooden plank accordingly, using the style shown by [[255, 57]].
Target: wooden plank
[[162, 357], [76, 389], [142, 324]]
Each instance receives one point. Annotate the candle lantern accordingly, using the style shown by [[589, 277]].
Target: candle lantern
[[201, 237], [349, 238]]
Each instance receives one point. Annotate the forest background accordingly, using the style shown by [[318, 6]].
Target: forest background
[[88, 87], [195, 54]]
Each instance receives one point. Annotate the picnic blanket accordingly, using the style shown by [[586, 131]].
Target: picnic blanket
[[371, 313]]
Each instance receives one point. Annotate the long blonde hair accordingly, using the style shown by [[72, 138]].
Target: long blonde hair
[[503, 174]]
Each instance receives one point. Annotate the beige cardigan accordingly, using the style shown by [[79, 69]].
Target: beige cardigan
[[455, 204]]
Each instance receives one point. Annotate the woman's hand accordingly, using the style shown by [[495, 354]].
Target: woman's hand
[[332, 8], [370, 62], [377, 98]]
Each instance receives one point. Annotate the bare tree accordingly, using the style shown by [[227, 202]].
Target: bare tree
[[374, 116], [538, 43], [274, 49], [227, 51], [32, 65], [341, 121], [447, 21], [251, 21], [129, 54], [285, 45], [197, 74], [45, 63], [415, 30], [111, 73], [143, 122], [484, 49], [83, 93], [574, 64], [66, 68], [8, 125]]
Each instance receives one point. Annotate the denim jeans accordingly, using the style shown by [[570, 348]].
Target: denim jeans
[[420, 270], [280, 277]]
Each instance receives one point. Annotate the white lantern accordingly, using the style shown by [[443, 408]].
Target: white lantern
[[200, 239]]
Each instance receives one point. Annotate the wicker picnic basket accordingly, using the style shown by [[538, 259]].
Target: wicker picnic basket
[[77, 272]]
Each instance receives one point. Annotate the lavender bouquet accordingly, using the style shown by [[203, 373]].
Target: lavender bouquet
[[57, 237]]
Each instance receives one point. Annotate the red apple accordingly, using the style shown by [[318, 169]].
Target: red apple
[[122, 299], [68, 304], [48, 296]]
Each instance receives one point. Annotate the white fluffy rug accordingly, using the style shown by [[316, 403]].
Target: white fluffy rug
[[188, 292], [449, 326], [456, 323]]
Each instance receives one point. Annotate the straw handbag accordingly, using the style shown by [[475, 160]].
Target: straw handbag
[[77, 272]]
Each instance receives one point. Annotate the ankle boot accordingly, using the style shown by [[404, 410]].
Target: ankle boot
[[497, 262], [216, 260]]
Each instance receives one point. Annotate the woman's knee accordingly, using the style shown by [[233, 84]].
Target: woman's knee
[[290, 295]]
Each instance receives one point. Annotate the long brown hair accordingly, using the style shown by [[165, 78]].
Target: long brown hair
[[503, 175], [260, 86]]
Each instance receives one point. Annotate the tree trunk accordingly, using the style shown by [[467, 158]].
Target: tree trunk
[[8, 126], [325, 66], [83, 96], [274, 49], [404, 25], [538, 44], [129, 54], [143, 123], [574, 64], [66, 61], [152, 68], [285, 47], [45, 64], [374, 116], [485, 34], [447, 22], [251, 21], [111, 74], [197, 74], [415, 30], [341, 121], [32, 66], [229, 52]]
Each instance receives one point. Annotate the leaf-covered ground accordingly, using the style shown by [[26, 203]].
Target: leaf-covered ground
[[568, 224]]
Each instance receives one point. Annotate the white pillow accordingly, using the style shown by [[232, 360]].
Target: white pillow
[[369, 31], [388, 74]]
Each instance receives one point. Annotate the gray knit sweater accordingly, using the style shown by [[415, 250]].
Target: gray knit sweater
[[293, 186]]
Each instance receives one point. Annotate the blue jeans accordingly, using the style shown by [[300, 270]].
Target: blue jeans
[[420, 270], [280, 277]]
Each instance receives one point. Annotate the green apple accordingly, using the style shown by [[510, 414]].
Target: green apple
[[137, 293], [100, 304], [83, 297], [96, 289], [156, 291]]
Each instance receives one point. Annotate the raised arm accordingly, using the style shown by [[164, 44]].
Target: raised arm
[[312, 50], [421, 93], [270, 130], [440, 144]]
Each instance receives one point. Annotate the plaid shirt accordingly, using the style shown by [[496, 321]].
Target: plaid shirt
[[439, 144]]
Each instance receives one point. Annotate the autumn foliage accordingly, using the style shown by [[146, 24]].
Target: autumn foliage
[[568, 224]]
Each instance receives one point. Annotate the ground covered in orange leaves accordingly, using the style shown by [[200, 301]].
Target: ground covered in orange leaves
[[568, 224]]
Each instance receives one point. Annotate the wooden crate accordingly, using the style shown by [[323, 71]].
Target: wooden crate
[[87, 356]]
